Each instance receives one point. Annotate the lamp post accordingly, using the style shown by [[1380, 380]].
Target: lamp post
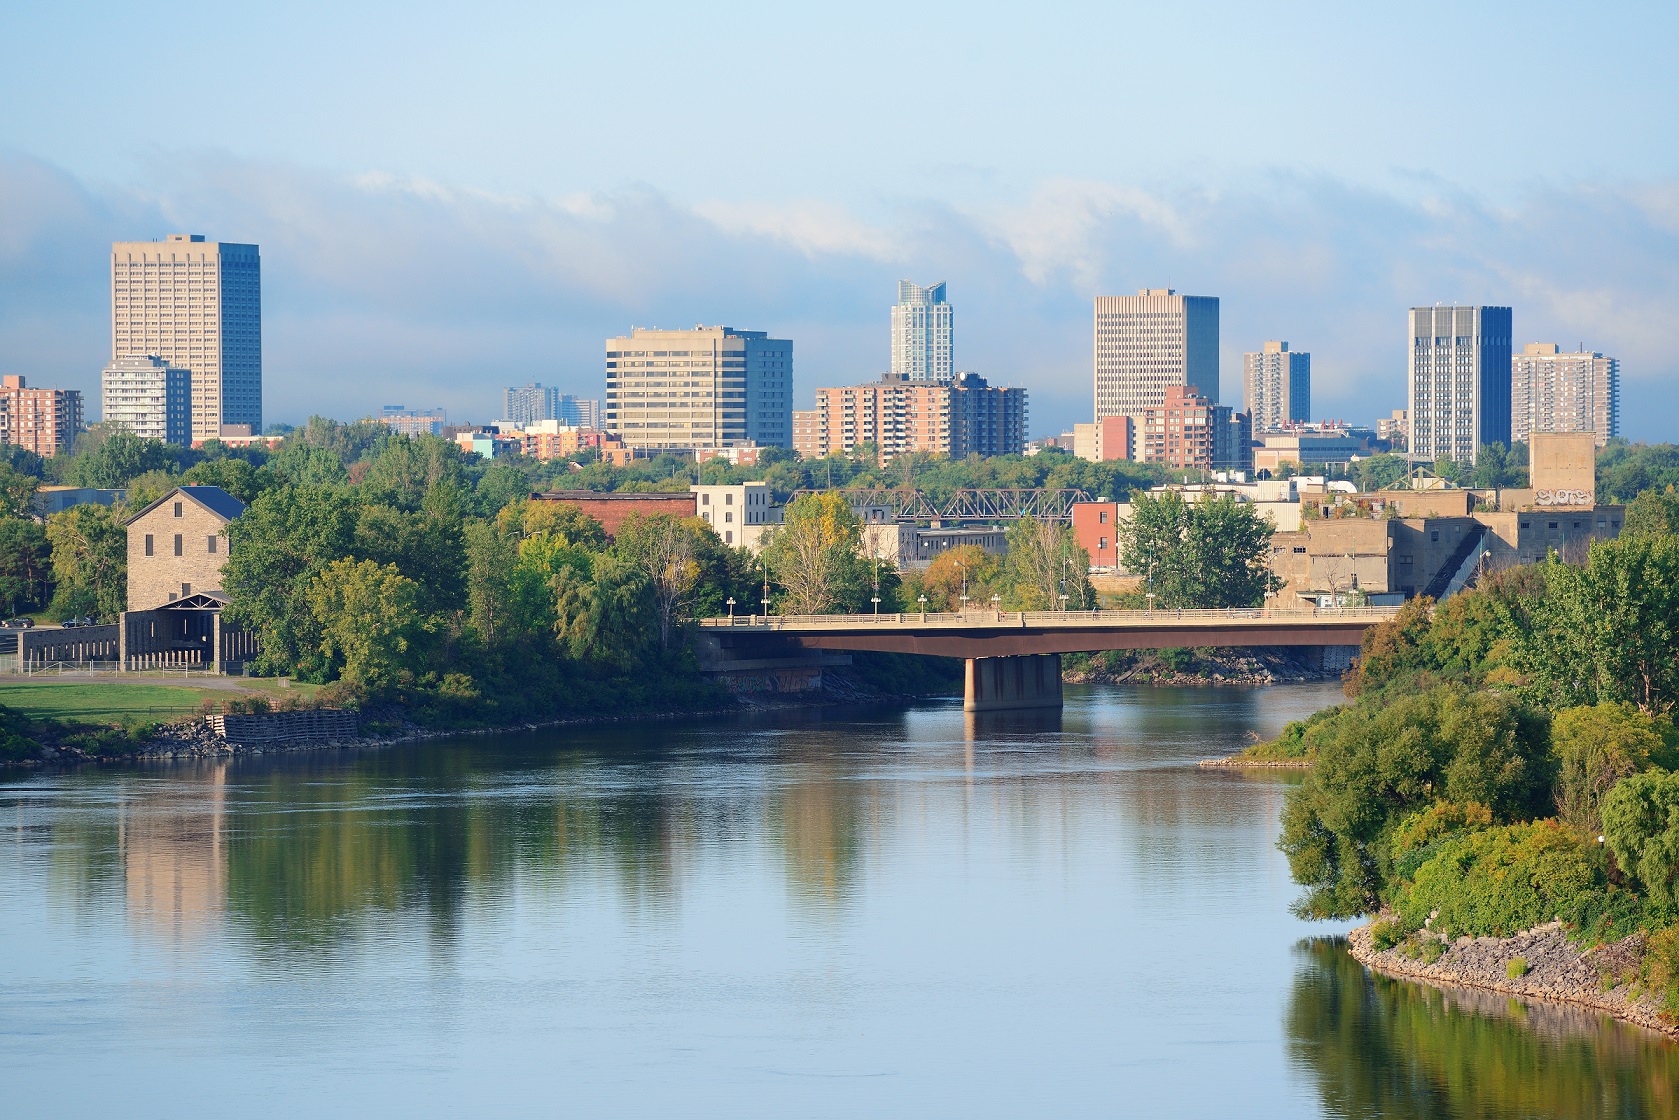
[[922, 599], [764, 556], [997, 605], [731, 610]]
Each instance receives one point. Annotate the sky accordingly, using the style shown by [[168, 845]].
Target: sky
[[454, 198]]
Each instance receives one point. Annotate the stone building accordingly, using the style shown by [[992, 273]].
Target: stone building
[[176, 545]]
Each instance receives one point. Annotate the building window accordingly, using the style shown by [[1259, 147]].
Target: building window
[[186, 589], [1102, 517], [728, 537], [177, 544], [728, 518], [1552, 524], [148, 544], [1102, 544], [177, 509], [211, 543], [705, 499], [728, 499]]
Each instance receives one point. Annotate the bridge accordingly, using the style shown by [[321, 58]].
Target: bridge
[[1014, 657]]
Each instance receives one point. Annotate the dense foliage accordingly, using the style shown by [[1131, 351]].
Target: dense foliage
[[1210, 553]]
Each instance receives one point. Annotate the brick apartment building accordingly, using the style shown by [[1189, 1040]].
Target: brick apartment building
[[44, 421]]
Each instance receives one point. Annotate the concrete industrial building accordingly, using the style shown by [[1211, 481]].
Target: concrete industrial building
[[706, 387], [921, 333], [197, 305], [44, 421], [1459, 381], [1148, 343], [1551, 391], [148, 397], [1277, 386], [1190, 431], [898, 415]]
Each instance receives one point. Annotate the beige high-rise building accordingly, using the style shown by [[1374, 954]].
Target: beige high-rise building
[[708, 387], [1151, 342], [196, 305], [1551, 391], [1277, 386]]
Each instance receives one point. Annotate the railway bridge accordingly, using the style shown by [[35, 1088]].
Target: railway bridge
[[1014, 657]]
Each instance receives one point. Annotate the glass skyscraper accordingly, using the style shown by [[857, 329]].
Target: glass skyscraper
[[921, 334]]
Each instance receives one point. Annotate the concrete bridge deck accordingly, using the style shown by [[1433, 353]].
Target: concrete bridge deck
[[1014, 657]]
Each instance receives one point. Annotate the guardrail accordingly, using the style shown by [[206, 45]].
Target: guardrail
[[989, 619]]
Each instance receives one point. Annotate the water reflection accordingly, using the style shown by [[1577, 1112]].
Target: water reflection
[[1383, 1047]]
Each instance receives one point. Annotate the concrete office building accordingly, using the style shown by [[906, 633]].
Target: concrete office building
[[708, 387], [921, 334], [1459, 381], [197, 305], [148, 397], [1151, 342], [1277, 386], [44, 421], [1551, 391]]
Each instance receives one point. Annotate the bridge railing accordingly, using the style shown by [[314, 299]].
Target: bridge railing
[[995, 619]]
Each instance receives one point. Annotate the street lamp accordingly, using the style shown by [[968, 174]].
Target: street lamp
[[876, 602], [731, 610], [922, 599], [997, 605]]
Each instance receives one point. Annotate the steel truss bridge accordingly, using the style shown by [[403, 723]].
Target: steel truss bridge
[[964, 505]]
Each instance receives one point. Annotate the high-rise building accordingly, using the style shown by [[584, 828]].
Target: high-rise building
[[526, 404], [577, 412], [197, 305], [1149, 343], [1103, 441], [1277, 386], [921, 333], [896, 414], [708, 387], [413, 421], [44, 421], [1551, 391], [1460, 381], [148, 397], [1190, 431], [1395, 429]]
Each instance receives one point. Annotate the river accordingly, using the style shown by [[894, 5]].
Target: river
[[886, 913]]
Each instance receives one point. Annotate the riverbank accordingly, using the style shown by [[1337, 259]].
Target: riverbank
[[1184, 668], [1552, 970]]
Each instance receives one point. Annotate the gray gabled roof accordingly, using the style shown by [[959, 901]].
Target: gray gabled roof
[[212, 498]]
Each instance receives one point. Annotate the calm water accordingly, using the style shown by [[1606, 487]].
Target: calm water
[[904, 913]]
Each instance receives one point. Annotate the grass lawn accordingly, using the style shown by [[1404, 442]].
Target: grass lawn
[[119, 701]]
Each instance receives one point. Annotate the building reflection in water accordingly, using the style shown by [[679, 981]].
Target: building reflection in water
[[171, 840]]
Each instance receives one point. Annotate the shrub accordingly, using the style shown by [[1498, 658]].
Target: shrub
[[1596, 746], [1660, 968], [248, 706], [1385, 935], [1516, 968], [1433, 949], [1500, 881], [1379, 762], [1641, 827]]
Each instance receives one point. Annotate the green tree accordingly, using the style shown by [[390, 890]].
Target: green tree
[[1653, 513], [666, 549], [1380, 472], [815, 557], [371, 621], [425, 545], [1498, 466], [1375, 764], [967, 567], [1605, 631], [89, 561], [25, 565], [607, 619], [276, 550], [1596, 747], [1212, 553], [1641, 828], [1043, 563], [236, 476], [17, 492], [408, 469], [107, 457], [504, 482]]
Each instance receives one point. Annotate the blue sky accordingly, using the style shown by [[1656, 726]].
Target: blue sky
[[449, 199]]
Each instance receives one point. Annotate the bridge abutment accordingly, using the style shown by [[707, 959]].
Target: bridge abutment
[[994, 684]]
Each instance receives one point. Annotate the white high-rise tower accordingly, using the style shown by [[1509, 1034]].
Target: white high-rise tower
[[921, 334]]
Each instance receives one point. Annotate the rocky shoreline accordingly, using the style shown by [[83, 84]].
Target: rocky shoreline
[[1603, 979], [1257, 666]]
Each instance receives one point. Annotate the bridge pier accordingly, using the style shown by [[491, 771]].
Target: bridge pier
[[995, 684]]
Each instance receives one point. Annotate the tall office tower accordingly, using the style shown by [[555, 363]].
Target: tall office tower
[[1460, 381], [1277, 383], [577, 412], [149, 397], [1151, 342], [1555, 392], [708, 387], [526, 404], [921, 333], [44, 421], [197, 305]]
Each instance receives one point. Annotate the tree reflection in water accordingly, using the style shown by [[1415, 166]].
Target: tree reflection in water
[[1392, 1048]]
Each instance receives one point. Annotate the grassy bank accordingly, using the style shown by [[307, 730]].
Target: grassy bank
[[124, 700]]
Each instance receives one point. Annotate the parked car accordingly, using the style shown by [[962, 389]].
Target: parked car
[[69, 622], [18, 623]]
